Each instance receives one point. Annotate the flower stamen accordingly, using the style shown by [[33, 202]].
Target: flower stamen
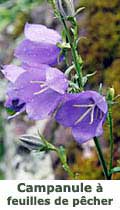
[[41, 91], [43, 86], [91, 108], [83, 105], [92, 115], [83, 116]]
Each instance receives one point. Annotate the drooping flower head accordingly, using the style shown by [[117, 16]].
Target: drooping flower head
[[37, 90], [39, 46], [85, 113]]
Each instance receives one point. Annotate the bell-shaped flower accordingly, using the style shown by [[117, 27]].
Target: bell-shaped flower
[[39, 46], [37, 90], [85, 113]]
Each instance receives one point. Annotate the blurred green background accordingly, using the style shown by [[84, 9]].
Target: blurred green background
[[100, 50]]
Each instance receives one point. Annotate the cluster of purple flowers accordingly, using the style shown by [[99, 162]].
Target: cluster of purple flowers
[[40, 89]]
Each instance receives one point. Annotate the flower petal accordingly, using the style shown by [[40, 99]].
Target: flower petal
[[40, 67], [15, 105], [68, 114], [56, 80], [99, 100], [35, 54], [40, 33], [23, 88], [85, 131], [82, 113], [43, 105], [12, 72]]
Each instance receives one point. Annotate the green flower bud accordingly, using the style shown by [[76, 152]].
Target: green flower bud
[[111, 94]]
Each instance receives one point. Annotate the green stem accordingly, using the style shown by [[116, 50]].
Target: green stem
[[65, 165], [74, 54], [101, 158], [61, 154], [79, 72], [78, 66], [111, 136]]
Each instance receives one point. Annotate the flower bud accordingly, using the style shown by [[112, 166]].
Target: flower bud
[[31, 142], [111, 94], [66, 7]]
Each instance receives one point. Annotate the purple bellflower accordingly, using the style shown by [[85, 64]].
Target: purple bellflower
[[37, 90], [39, 46], [85, 113]]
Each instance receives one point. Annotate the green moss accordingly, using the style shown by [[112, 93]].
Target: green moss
[[102, 28]]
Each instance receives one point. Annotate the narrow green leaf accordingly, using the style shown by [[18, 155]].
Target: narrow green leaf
[[115, 170], [79, 10], [62, 154]]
